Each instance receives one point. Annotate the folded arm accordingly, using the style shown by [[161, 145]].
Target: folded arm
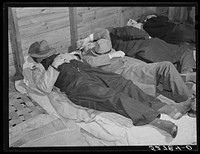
[[45, 80], [96, 61], [100, 33], [129, 33]]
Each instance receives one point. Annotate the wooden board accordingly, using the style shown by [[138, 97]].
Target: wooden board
[[31, 11], [44, 27], [51, 37]]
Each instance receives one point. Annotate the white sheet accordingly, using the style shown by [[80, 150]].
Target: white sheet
[[114, 129]]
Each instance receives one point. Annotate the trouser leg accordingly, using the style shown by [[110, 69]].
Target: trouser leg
[[107, 99], [142, 75], [120, 84], [169, 82], [187, 62]]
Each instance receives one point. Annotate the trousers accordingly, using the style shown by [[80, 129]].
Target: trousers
[[163, 76]]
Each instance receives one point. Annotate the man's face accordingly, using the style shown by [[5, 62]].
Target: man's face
[[134, 23]]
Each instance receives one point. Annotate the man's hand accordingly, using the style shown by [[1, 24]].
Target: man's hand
[[82, 42], [117, 54], [60, 59]]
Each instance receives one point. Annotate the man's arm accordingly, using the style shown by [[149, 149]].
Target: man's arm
[[100, 33], [129, 33], [45, 80], [96, 61], [102, 60]]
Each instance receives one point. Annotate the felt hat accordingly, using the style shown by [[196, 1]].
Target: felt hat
[[102, 46], [41, 49]]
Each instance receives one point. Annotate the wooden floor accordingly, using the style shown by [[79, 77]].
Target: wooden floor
[[27, 120]]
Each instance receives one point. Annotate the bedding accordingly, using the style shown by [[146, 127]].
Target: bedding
[[106, 128]]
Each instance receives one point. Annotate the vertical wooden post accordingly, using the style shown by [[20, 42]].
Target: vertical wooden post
[[15, 41], [73, 27]]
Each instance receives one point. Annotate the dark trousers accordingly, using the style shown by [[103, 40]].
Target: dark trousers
[[116, 94]]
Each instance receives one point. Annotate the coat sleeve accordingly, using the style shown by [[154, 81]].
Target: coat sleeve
[[44, 80], [129, 33], [96, 61], [100, 33]]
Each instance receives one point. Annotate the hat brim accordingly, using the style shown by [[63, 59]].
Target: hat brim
[[49, 53], [96, 54]]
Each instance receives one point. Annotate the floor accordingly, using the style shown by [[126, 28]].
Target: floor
[[24, 119]]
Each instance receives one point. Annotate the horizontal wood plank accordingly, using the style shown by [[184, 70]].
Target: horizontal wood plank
[[40, 18], [93, 15], [51, 37], [32, 11], [81, 10], [44, 27]]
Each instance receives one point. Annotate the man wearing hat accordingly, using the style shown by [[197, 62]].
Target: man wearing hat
[[40, 53], [161, 77], [97, 89]]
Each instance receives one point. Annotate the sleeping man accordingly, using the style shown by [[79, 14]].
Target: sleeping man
[[97, 89], [160, 26], [160, 77], [135, 42]]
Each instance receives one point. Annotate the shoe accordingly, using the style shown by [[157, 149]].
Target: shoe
[[192, 113], [166, 125]]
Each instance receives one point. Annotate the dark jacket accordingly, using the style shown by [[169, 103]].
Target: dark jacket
[[106, 91]]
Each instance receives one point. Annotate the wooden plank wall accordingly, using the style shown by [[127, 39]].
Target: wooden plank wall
[[89, 18], [53, 24]]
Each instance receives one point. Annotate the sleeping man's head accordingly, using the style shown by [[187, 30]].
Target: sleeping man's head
[[134, 23]]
